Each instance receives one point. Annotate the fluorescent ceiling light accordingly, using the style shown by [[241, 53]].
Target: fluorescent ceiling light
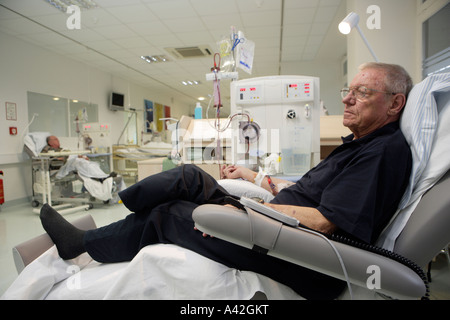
[[191, 82], [155, 59], [63, 4]]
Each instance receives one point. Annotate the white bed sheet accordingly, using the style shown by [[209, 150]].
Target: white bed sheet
[[159, 271]]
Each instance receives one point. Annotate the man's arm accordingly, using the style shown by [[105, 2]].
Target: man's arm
[[238, 172], [309, 217]]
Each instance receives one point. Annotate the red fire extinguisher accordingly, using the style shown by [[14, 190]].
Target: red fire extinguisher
[[2, 195]]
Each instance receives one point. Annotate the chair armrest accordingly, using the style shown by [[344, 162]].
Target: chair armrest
[[311, 251]]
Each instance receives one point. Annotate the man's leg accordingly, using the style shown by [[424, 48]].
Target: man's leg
[[187, 182], [120, 241], [172, 223]]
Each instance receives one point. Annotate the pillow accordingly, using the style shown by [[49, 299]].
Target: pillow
[[30, 145], [425, 124], [239, 188], [39, 139]]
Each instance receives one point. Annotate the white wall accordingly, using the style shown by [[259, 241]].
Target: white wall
[[395, 42], [25, 67], [330, 76]]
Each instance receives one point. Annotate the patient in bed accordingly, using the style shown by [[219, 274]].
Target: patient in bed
[[353, 192], [91, 170]]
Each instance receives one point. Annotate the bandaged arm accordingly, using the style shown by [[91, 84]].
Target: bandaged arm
[[258, 178]]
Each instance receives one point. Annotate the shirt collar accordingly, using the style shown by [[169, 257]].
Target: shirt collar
[[387, 129]]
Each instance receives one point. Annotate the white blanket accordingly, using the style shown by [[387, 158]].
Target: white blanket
[[159, 271], [86, 170]]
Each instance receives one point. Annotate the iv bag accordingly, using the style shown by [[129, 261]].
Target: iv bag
[[246, 52], [226, 58]]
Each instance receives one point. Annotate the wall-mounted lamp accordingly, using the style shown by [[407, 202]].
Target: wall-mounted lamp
[[351, 21]]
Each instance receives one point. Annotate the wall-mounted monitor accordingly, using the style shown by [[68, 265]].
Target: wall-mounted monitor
[[117, 101]]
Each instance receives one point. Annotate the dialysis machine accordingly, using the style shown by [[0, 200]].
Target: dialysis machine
[[278, 115]]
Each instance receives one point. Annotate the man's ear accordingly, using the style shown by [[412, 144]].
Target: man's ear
[[398, 103]]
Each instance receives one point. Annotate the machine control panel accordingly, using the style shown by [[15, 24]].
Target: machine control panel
[[250, 93], [299, 90], [96, 127]]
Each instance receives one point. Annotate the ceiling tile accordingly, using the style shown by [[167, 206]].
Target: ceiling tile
[[222, 21], [29, 7], [261, 18], [204, 7], [146, 28], [167, 10], [123, 30], [195, 38], [97, 17], [103, 46], [295, 30], [131, 42], [163, 41], [21, 26], [325, 14], [115, 31], [184, 25], [132, 13], [259, 5], [290, 4], [299, 15]]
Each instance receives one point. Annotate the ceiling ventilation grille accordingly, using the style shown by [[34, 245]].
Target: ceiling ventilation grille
[[190, 52]]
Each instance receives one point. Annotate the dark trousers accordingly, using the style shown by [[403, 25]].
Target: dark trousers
[[163, 205]]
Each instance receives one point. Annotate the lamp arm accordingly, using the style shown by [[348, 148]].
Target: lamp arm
[[367, 43]]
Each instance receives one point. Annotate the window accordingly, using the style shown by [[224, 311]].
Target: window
[[59, 116], [436, 39]]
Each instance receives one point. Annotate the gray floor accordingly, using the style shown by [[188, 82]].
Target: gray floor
[[18, 223]]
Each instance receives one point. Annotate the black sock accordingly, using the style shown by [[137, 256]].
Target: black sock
[[67, 238]]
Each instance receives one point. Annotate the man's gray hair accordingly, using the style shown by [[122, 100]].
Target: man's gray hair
[[397, 78]]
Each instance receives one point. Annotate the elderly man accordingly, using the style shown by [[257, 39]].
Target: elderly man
[[353, 192]]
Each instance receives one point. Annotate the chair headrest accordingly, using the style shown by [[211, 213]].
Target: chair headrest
[[425, 124]]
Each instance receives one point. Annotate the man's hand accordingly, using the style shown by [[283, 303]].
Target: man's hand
[[204, 234], [237, 172]]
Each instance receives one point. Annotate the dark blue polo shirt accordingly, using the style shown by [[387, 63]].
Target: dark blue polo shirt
[[359, 185]]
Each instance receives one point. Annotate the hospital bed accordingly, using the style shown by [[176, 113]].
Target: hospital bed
[[126, 157], [415, 235], [66, 184]]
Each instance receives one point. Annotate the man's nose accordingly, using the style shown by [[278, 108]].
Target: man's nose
[[349, 99]]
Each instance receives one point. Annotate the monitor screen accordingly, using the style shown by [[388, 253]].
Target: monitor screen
[[117, 101]]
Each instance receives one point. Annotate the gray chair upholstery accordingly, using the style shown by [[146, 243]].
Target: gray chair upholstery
[[425, 234]]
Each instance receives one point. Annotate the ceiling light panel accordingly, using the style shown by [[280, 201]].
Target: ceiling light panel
[[155, 59], [191, 82], [63, 4]]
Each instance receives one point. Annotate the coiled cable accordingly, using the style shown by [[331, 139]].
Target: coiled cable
[[388, 254]]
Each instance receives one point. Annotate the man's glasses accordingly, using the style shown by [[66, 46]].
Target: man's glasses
[[360, 92]]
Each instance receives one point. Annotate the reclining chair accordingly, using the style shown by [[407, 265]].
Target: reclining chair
[[418, 231], [415, 235]]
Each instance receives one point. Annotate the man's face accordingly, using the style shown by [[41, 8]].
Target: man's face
[[53, 142], [363, 116]]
